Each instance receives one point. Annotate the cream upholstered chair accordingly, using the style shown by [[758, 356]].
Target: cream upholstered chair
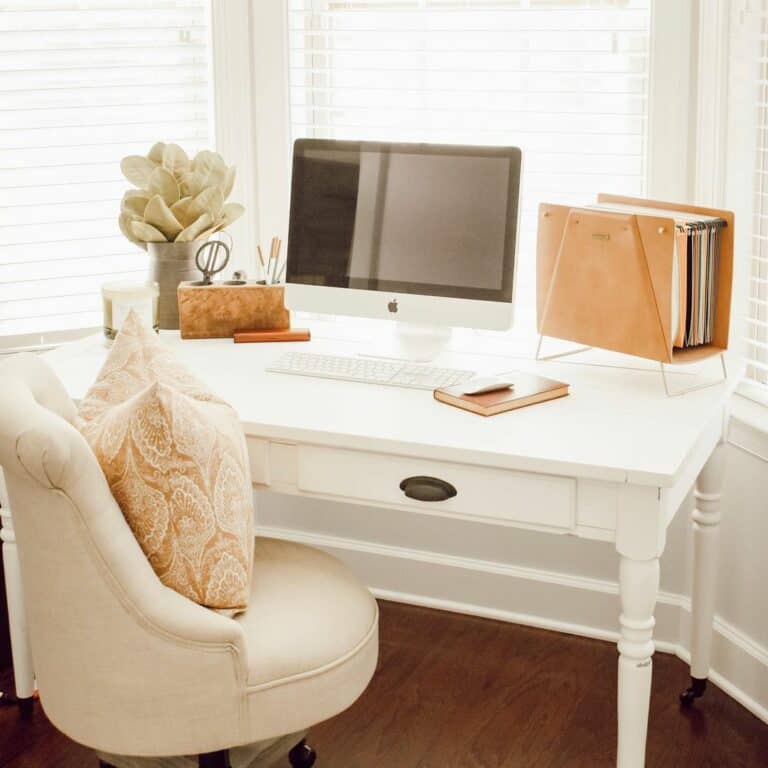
[[129, 667]]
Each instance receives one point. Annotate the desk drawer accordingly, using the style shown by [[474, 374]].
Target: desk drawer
[[498, 494]]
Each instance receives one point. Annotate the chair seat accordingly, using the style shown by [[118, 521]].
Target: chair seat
[[307, 614]]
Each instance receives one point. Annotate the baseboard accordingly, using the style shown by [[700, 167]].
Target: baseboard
[[539, 598]]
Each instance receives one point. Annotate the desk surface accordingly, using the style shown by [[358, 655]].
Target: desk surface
[[616, 425]]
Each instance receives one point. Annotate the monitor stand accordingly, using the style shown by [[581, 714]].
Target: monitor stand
[[409, 342]]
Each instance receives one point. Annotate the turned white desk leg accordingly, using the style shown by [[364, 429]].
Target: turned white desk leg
[[638, 586], [705, 521], [23, 671]]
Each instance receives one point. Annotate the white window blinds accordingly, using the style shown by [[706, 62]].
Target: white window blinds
[[83, 83], [565, 80], [757, 314]]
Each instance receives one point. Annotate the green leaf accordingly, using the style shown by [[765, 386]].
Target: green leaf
[[210, 200], [228, 182], [190, 183], [230, 212], [175, 159], [163, 183], [181, 210], [156, 153], [215, 177], [146, 233], [194, 230], [134, 202], [159, 215], [124, 222], [137, 169], [205, 161]]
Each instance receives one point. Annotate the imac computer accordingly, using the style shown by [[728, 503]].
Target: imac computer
[[421, 234], [418, 233]]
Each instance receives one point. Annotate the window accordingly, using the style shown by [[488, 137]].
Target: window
[[83, 83], [566, 80], [757, 309]]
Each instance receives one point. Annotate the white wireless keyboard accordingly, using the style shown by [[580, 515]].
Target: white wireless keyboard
[[370, 371]]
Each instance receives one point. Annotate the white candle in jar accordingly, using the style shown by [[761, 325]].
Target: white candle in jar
[[122, 296]]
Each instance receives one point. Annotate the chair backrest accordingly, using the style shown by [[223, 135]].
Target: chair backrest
[[112, 647]]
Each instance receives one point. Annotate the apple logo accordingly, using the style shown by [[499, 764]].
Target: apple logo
[[392, 306]]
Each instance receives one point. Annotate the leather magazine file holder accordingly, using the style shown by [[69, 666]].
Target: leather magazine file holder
[[604, 279]]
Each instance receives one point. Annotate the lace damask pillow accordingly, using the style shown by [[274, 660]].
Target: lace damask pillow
[[176, 461], [136, 360]]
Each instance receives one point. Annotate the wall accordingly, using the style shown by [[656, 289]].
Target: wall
[[559, 583]]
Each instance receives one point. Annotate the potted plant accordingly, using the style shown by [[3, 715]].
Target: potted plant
[[175, 206]]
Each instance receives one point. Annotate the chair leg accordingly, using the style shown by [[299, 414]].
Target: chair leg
[[215, 760], [302, 755], [25, 705]]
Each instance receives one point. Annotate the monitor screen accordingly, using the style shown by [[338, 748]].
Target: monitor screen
[[408, 218]]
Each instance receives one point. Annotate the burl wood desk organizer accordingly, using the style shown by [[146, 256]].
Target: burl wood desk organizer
[[218, 310], [605, 279]]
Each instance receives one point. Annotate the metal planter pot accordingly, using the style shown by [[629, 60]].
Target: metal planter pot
[[169, 265]]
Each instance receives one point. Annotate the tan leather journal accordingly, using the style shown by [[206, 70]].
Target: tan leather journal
[[527, 389]]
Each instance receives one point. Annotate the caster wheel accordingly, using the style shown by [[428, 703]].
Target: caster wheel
[[26, 706], [694, 691], [302, 755]]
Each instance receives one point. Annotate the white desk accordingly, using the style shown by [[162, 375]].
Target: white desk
[[613, 461]]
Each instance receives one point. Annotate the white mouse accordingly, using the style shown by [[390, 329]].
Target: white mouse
[[482, 384]]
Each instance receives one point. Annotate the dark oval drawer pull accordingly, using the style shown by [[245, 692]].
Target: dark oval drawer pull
[[427, 488]]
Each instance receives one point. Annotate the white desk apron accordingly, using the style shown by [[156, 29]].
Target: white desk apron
[[613, 461]]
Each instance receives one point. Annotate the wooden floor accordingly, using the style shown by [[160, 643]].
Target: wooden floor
[[454, 691]]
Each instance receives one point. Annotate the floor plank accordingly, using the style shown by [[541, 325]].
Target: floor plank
[[462, 692]]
